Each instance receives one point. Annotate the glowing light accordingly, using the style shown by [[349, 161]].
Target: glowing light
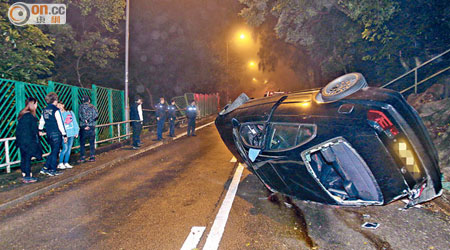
[[242, 36], [254, 79], [252, 64], [304, 104]]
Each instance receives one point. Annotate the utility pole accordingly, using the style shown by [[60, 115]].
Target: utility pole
[[228, 77], [127, 36]]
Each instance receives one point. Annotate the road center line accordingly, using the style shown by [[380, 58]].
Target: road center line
[[218, 227], [193, 238]]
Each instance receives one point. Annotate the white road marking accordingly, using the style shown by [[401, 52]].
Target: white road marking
[[233, 159], [193, 238], [218, 227], [185, 133]]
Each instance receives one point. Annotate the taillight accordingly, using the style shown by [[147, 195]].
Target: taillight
[[381, 122]]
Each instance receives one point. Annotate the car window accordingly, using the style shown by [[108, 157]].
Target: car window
[[305, 133], [252, 134], [283, 136]]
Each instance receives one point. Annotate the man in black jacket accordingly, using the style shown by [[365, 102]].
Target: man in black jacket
[[161, 109], [88, 116], [191, 114], [52, 120], [172, 114], [137, 118]]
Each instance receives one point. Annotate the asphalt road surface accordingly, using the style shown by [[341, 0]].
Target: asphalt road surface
[[152, 202]]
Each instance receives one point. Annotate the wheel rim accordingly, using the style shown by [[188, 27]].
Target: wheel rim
[[339, 86]]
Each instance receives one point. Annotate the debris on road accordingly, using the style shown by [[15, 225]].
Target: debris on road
[[287, 205], [370, 225]]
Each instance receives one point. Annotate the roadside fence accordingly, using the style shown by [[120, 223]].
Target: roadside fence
[[110, 103]]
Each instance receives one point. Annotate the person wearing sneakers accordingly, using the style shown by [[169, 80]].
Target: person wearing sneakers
[[27, 138], [72, 129], [88, 115], [56, 133]]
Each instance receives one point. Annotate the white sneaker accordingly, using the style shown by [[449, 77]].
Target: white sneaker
[[61, 166], [68, 165]]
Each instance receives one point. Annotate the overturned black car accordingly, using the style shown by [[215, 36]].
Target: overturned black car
[[345, 144]]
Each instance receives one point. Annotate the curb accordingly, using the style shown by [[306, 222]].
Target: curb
[[43, 190]]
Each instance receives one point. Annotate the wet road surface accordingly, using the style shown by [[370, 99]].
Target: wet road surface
[[152, 202], [148, 203]]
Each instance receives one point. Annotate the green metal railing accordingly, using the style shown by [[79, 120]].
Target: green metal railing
[[109, 102], [111, 123]]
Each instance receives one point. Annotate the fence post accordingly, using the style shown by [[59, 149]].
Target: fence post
[[118, 131], [124, 117], [110, 112], [94, 102], [50, 87], [75, 103], [19, 90], [8, 167], [415, 81]]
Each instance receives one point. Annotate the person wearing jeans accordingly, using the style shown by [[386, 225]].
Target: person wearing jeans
[[72, 130], [88, 115], [56, 133]]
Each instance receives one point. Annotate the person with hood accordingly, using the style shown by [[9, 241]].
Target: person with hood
[[72, 130], [27, 138], [88, 115], [56, 133], [137, 120]]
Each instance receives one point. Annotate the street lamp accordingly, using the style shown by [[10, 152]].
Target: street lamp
[[241, 36], [127, 36]]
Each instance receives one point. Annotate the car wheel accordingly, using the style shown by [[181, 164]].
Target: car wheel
[[343, 86]]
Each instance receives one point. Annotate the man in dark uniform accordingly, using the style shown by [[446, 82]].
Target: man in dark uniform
[[191, 114], [172, 114], [161, 109], [136, 115]]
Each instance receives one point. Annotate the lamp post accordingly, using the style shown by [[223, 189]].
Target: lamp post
[[127, 36], [228, 75]]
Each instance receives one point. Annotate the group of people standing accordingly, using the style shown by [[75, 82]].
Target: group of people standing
[[61, 128], [162, 112]]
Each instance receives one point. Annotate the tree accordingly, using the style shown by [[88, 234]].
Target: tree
[[89, 42], [25, 51], [381, 38]]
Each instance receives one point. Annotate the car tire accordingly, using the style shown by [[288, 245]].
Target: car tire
[[342, 87]]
